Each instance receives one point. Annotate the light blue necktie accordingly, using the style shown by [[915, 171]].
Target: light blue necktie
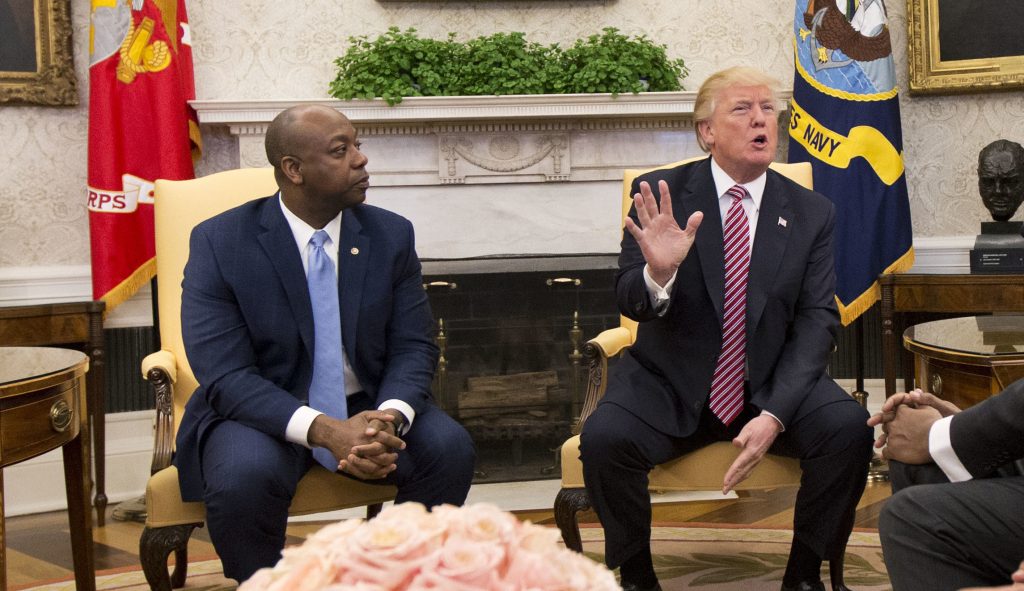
[[327, 390]]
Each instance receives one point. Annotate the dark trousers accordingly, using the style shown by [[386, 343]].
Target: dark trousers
[[250, 478], [939, 535], [618, 450]]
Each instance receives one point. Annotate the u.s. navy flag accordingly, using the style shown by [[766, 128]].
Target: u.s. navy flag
[[845, 120], [141, 128]]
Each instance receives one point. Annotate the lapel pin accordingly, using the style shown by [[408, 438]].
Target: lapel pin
[[355, 250], [782, 222]]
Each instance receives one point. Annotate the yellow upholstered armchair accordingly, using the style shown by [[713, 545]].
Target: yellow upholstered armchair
[[179, 206], [697, 471]]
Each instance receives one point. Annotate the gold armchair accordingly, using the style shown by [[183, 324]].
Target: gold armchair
[[179, 206], [696, 471]]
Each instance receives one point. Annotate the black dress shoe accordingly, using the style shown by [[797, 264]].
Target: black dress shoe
[[630, 586], [808, 586]]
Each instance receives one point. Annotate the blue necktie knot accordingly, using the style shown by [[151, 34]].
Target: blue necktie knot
[[319, 238]]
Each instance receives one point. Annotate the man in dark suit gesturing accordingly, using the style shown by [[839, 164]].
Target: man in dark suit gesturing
[[309, 293], [953, 522], [731, 278]]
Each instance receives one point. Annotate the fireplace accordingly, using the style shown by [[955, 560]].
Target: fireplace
[[511, 370]]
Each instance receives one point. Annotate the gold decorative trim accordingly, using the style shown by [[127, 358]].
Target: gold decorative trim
[[53, 82], [929, 74]]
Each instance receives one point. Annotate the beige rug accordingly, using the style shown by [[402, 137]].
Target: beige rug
[[686, 557]]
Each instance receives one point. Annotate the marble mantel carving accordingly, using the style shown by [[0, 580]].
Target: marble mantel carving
[[497, 176]]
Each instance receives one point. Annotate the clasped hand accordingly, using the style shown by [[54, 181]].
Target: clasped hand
[[366, 444], [663, 243], [906, 419]]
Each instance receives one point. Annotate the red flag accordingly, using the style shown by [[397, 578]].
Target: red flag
[[141, 128]]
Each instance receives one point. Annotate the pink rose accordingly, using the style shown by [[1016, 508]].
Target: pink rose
[[473, 564], [307, 574], [385, 551], [481, 522], [407, 548]]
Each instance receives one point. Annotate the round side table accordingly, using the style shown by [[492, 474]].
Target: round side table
[[42, 407], [966, 360]]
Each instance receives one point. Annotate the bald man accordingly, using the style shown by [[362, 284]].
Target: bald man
[[251, 334]]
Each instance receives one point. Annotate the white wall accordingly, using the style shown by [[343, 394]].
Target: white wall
[[270, 49]]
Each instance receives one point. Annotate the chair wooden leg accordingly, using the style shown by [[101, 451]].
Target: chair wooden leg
[[155, 547], [568, 503]]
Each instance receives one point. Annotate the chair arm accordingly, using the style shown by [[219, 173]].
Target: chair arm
[[596, 353], [161, 370], [612, 341], [163, 361]]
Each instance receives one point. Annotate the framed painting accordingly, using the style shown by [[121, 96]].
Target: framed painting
[[36, 66], [960, 46]]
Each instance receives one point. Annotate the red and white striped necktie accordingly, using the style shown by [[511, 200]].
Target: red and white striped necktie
[[726, 400]]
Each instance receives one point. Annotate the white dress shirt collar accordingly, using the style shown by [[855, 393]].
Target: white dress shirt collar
[[303, 232], [723, 182]]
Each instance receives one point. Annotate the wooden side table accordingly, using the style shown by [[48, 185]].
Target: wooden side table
[[938, 295], [78, 324], [966, 360], [43, 407]]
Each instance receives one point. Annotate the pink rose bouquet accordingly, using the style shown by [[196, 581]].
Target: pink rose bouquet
[[407, 548]]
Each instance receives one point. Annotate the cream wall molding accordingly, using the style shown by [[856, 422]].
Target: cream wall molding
[[23, 286], [28, 286]]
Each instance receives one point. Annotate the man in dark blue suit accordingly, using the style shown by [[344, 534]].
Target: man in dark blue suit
[[665, 397], [248, 328], [955, 518]]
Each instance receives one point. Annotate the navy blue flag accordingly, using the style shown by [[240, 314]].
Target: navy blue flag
[[845, 121]]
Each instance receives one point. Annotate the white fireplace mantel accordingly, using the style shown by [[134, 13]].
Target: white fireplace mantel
[[241, 114], [497, 175]]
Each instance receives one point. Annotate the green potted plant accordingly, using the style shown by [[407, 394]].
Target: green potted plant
[[399, 63]]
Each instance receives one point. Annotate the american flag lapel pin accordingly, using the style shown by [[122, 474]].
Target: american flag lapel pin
[[782, 221]]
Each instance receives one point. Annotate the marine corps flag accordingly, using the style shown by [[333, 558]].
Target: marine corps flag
[[845, 120], [141, 128]]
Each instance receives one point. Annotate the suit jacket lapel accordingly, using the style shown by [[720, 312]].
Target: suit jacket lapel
[[279, 245], [700, 195], [773, 223], [353, 259]]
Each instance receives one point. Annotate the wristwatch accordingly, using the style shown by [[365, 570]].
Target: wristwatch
[[399, 421]]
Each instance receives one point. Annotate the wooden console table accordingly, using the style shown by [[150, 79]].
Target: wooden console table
[[42, 407], [933, 294], [966, 360], [80, 325]]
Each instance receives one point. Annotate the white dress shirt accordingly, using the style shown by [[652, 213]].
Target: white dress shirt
[[297, 430]]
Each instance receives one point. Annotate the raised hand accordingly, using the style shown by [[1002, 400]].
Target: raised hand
[[663, 243]]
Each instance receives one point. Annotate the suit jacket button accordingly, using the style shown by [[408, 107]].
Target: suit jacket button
[[697, 405]]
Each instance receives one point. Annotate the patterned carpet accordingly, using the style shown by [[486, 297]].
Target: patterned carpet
[[686, 557]]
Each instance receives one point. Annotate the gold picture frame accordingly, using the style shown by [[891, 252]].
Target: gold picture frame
[[976, 57], [36, 65]]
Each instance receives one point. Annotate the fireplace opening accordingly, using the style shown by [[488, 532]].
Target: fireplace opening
[[511, 370]]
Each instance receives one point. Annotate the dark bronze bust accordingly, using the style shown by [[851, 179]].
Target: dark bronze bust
[[1001, 178]]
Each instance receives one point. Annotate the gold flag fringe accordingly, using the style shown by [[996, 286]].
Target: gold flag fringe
[[127, 288], [850, 312]]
